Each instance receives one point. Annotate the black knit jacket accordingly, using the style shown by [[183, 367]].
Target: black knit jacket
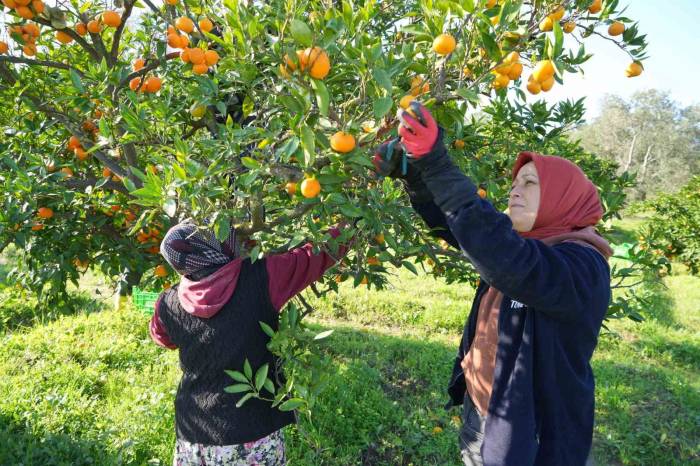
[[204, 412]]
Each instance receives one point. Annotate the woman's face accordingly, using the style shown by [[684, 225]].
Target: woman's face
[[524, 198]]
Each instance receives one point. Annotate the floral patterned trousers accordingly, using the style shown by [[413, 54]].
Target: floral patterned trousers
[[267, 451]]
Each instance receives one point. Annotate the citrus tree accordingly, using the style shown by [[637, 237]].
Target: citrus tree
[[672, 230], [121, 118]]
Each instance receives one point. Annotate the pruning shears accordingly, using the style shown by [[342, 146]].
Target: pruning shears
[[394, 147]]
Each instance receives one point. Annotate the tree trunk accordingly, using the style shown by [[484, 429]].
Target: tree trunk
[[629, 154], [644, 164]]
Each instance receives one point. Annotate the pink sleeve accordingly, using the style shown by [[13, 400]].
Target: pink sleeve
[[291, 272], [157, 329]]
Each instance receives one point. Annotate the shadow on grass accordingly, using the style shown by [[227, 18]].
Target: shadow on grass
[[661, 305], [18, 446], [19, 309], [619, 234], [383, 403], [644, 416]]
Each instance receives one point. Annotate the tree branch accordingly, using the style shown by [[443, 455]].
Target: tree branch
[[116, 39], [47, 63], [300, 210], [76, 37], [92, 181]]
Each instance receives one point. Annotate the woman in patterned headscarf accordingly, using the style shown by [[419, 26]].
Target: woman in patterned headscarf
[[213, 318]]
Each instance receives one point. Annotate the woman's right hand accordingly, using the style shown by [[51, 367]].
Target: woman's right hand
[[418, 130]]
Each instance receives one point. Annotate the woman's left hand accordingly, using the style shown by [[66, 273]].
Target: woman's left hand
[[418, 130]]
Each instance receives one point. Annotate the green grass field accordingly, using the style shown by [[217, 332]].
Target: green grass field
[[93, 389]]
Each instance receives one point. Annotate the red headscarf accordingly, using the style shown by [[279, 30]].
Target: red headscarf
[[569, 203]]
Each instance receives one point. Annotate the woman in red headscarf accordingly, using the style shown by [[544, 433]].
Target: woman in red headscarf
[[522, 373]]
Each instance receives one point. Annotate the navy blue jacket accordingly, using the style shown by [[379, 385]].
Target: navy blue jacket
[[555, 299]]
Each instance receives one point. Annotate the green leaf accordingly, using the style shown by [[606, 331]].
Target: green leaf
[[237, 376], [269, 386], [238, 388], [75, 77], [323, 335], [288, 148], [291, 404], [250, 162], [558, 39], [381, 106], [322, 97], [129, 184], [350, 210], [170, 207], [245, 398], [468, 95], [247, 370], [490, 44], [383, 79], [267, 329], [301, 32], [308, 142], [261, 376], [410, 267]]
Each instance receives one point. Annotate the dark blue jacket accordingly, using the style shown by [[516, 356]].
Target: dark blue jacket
[[555, 298]]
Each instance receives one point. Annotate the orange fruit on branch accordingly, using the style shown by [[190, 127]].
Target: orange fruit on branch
[[81, 154], [45, 212], [310, 188], [63, 37], [406, 101], [111, 18], [633, 69], [24, 12], [81, 29], [196, 56], [206, 25], [160, 271], [557, 14], [342, 142], [29, 50], [135, 84], [200, 68], [32, 29], [139, 63], [444, 44], [547, 24], [516, 69], [315, 61], [547, 84], [291, 188], [184, 24], [533, 86], [73, 143], [152, 84], [94, 27], [616, 28], [211, 58], [544, 70]]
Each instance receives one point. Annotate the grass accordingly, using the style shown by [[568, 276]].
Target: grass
[[92, 388]]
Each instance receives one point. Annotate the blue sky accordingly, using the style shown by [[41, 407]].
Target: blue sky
[[674, 65]]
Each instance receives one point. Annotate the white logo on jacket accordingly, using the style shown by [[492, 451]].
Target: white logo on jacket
[[516, 305]]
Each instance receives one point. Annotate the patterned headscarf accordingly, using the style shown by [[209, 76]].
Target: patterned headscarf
[[191, 250]]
